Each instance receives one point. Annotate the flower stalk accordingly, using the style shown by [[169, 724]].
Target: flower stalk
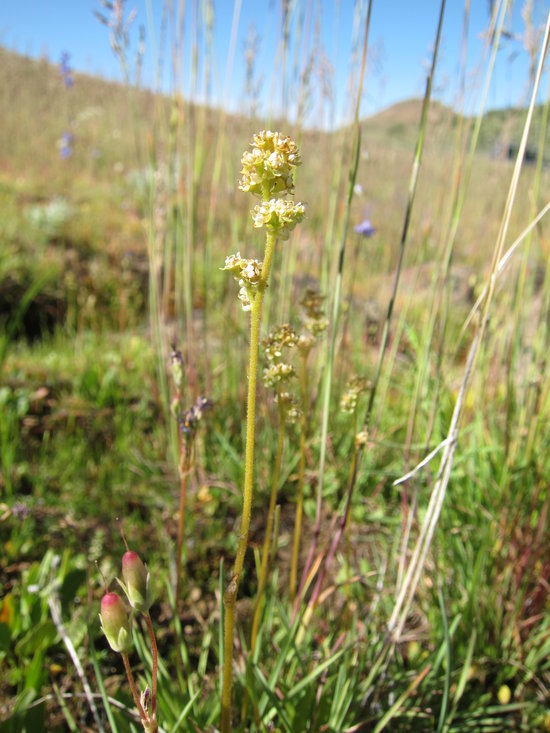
[[188, 422], [230, 595], [301, 477], [267, 172], [276, 374], [315, 323]]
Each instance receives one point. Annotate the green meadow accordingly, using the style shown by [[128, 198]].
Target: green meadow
[[391, 571]]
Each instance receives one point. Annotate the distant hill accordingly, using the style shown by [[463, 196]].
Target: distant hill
[[500, 132], [408, 113], [37, 110]]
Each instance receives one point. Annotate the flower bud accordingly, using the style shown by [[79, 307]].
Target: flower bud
[[135, 582], [176, 361], [361, 438], [115, 623]]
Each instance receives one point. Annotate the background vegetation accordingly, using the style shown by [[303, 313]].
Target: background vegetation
[[111, 253]]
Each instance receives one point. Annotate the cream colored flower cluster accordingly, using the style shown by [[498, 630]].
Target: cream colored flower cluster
[[269, 166], [248, 273], [279, 372], [361, 438], [268, 172], [279, 216]]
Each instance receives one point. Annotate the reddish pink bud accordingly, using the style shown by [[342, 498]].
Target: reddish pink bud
[[136, 585], [115, 623]]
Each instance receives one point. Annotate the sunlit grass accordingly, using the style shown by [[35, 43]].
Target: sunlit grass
[[115, 255]]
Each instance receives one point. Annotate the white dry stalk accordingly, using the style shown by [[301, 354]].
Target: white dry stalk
[[502, 264], [406, 594], [55, 611], [423, 462], [492, 43], [433, 511]]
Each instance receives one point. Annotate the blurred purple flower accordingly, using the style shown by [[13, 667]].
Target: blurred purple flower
[[365, 228], [66, 145], [20, 510], [65, 69]]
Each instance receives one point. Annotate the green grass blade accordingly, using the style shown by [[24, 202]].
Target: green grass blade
[[447, 645], [102, 691]]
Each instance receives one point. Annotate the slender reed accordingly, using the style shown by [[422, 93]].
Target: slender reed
[[354, 164], [362, 442], [349, 403], [188, 422], [184, 469], [407, 590]]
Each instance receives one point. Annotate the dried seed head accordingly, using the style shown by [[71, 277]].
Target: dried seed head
[[355, 387], [176, 362], [189, 420], [289, 404], [315, 320], [312, 303], [282, 336]]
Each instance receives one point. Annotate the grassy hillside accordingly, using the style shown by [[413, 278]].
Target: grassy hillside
[[408, 606], [118, 134]]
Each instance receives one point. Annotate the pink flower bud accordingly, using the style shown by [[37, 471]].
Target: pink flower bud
[[135, 582], [115, 623]]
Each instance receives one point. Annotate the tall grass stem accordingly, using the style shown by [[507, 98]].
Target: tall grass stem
[[327, 384]]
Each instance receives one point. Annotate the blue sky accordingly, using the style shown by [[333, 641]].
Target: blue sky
[[402, 34]]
